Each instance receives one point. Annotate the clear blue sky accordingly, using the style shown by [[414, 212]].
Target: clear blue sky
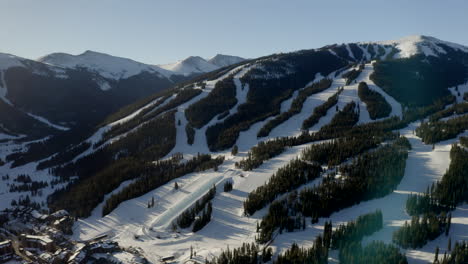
[[165, 31]]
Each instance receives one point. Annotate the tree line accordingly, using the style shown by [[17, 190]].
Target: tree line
[[321, 110], [270, 84], [202, 205], [371, 175], [434, 205], [436, 131], [159, 176], [220, 99], [376, 104], [296, 106]]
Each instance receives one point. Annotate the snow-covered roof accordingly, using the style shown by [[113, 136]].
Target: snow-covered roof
[[44, 239], [60, 213]]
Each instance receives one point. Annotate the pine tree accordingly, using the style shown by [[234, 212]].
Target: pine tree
[[234, 150]]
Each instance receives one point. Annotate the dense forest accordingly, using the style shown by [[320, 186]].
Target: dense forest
[[434, 74], [270, 84], [182, 96], [354, 231], [351, 75], [456, 109], [296, 106], [433, 132], [376, 104], [420, 230], [219, 100], [370, 175], [271, 148], [287, 178]]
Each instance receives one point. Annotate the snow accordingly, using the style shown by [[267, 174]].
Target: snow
[[190, 65], [350, 53], [221, 60], [110, 67], [462, 89], [47, 122], [412, 45]]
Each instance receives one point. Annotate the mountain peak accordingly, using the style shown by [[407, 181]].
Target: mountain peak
[[222, 60], [421, 44]]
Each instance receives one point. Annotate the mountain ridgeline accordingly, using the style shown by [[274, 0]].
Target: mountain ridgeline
[[210, 110]]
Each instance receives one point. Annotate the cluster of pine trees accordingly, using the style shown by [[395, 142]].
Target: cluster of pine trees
[[354, 231], [228, 186], [203, 206], [183, 95], [375, 252], [352, 74], [63, 156], [190, 134], [245, 254], [347, 239], [287, 178], [32, 187], [456, 109], [376, 104], [371, 175], [464, 141], [458, 255], [296, 106], [259, 153], [317, 254], [159, 175], [433, 132], [336, 151], [219, 100], [343, 120], [321, 110], [421, 229]]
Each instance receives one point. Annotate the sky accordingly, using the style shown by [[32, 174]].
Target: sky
[[158, 32]]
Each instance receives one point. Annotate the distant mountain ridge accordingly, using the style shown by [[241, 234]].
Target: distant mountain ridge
[[60, 91], [196, 64]]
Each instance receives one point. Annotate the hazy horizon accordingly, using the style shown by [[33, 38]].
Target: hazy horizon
[[157, 32]]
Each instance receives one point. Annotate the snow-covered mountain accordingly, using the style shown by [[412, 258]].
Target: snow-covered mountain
[[110, 67], [196, 64], [419, 44], [258, 118], [221, 60], [102, 83]]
